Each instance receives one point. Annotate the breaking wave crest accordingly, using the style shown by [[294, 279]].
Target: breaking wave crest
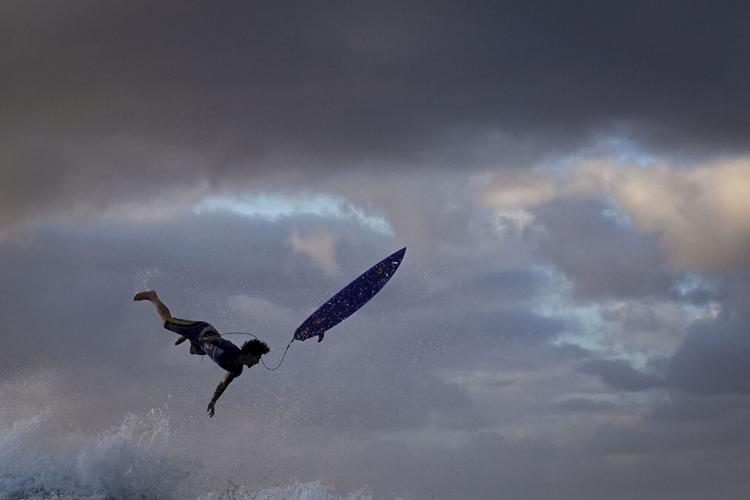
[[129, 461], [125, 462]]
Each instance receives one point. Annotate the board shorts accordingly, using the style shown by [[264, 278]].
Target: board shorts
[[193, 331]]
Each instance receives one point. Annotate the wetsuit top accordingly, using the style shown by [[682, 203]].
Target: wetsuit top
[[223, 353], [205, 339]]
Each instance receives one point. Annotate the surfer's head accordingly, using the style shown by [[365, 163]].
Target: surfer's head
[[251, 351]]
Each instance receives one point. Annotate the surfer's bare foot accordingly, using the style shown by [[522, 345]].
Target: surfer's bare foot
[[147, 295], [180, 340]]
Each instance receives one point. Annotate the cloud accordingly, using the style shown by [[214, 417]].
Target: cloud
[[453, 363], [620, 374], [320, 246], [257, 95], [713, 356], [571, 182], [586, 405], [603, 257], [700, 213]]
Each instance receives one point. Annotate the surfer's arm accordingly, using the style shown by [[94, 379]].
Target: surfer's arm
[[218, 392]]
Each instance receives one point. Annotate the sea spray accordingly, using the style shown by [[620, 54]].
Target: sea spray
[[297, 491], [130, 461]]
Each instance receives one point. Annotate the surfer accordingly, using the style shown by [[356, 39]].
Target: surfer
[[205, 339]]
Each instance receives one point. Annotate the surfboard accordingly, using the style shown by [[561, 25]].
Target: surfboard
[[350, 298]]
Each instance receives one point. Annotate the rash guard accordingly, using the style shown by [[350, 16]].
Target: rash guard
[[206, 340]]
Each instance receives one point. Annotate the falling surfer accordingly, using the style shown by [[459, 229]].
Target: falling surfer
[[205, 339]]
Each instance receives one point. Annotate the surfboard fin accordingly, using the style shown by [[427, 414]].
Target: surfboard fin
[[320, 336]]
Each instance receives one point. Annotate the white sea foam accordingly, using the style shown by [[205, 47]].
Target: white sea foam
[[125, 462], [129, 461], [297, 491]]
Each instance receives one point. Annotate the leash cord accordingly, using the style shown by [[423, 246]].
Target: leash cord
[[261, 359]]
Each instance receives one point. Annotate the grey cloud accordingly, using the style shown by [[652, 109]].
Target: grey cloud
[[586, 405], [682, 406], [713, 357], [603, 256], [531, 469], [98, 97], [67, 297], [508, 285], [67, 293], [710, 360], [360, 402], [395, 108], [620, 374], [663, 438]]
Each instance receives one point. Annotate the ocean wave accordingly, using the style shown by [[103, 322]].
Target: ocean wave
[[130, 461], [297, 491]]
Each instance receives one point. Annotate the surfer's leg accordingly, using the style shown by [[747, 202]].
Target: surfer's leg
[[161, 309]]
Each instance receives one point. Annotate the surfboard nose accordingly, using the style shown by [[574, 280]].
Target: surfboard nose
[[398, 255]]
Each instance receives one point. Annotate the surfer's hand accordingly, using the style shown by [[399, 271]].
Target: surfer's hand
[[210, 409]]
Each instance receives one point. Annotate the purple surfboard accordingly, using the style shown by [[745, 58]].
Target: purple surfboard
[[350, 298]]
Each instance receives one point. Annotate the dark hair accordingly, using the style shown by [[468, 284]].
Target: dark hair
[[255, 347]]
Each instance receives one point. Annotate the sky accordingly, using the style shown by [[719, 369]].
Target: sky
[[571, 180]]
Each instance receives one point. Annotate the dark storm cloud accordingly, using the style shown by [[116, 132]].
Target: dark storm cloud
[[361, 69], [102, 99], [713, 358]]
